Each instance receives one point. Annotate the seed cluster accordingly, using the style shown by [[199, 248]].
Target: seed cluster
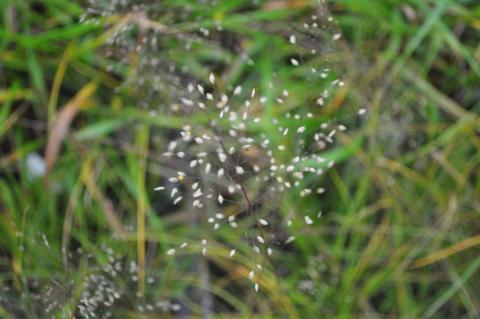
[[251, 142], [250, 138]]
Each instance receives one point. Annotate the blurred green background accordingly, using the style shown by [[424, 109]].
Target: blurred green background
[[400, 232]]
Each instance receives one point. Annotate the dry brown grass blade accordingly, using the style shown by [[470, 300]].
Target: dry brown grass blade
[[285, 4], [61, 124], [18, 94], [375, 242], [57, 81], [445, 253], [13, 118], [88, 178]]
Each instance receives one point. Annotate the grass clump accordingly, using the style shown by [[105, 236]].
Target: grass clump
[[94, 115]]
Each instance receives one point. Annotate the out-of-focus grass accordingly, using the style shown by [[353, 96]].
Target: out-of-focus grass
[[399, 232]]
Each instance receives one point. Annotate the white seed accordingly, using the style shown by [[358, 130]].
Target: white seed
[[177, 200], [237, 90], [308, 220], [239, 170], [289, 239], [187, 102], [222, 157]]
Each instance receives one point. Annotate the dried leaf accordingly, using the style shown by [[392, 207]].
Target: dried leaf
[[61, 124]]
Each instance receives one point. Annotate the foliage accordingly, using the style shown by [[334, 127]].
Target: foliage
[[81, 155]]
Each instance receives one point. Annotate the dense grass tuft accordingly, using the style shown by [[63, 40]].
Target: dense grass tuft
[[80, 156]]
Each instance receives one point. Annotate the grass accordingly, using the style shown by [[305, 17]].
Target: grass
[[399, 232]]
